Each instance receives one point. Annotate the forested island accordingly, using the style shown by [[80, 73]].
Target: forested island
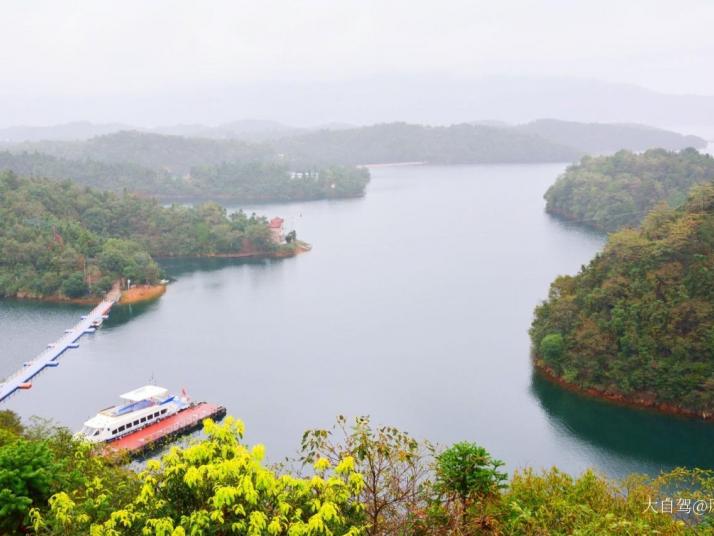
[[352, 479], [611, 192], [637, 324], [174, 177], [63, 241]]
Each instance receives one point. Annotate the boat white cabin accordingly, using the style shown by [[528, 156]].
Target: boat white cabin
[[140, 407]]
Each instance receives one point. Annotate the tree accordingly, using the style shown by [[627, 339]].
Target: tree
[[551, 348], [394, 465], [27, 475], [467, 472], [74, 286], [10, 422]]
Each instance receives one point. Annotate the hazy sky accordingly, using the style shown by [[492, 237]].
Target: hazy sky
[[132, 48]]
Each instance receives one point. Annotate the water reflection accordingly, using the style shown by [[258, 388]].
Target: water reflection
[[177, 267], [653, 439]]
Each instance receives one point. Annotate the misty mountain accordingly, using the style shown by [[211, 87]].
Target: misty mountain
[[254, 130], [173, 154], [402, 142], [78, 130], [437, 100], [539, 141], [602, 138]]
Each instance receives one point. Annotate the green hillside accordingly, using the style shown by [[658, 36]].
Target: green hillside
[[611, 192], [637, 323]]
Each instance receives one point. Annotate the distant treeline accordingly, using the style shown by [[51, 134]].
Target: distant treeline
[[401, 142], [296, 165], [60, 239], [242, 180], [611, 192]]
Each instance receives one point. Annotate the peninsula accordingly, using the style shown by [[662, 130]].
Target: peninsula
[[61, 241], [637, 324]]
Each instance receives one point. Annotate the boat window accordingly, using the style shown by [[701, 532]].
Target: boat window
[[156, 414], [163, 411], [122, 428], [96, 433], [136, 422], [143, 419], [114, 432]]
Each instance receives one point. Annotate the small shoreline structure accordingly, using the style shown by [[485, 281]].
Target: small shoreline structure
[[22, 379], [640, 401]]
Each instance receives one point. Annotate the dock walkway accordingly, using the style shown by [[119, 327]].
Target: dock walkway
[[48, 358]]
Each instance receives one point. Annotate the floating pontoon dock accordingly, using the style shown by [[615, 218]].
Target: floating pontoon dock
[[22, 379]]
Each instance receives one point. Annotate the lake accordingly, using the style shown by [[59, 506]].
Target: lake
[[413, 307]]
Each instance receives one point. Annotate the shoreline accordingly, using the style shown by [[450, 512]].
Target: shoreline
[[152, 292], [240, 201], [631, 401], [56, 298], [300, 247], [141, 293]]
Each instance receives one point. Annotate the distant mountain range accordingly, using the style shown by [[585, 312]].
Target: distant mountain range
[[602, 138], [376, 143], [255, 130], [425, 99]]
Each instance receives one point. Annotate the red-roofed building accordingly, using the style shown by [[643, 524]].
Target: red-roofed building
[[276, 228]]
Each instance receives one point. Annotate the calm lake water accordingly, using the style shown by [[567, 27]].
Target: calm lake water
[[413, 307]]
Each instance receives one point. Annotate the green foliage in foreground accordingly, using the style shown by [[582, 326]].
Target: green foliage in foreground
[[638, 321], [57, 238], [468, 472], [218, 486], [611, 192], [221, 486]]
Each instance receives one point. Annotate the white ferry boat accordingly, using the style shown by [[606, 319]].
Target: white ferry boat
[[141, 407]]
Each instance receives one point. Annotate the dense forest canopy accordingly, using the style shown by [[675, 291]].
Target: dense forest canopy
[[638, 321], [58, 238], [610, 192], [603, 138], [111, 176]]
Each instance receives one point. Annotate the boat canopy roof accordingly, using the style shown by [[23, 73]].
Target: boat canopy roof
[[144, 393]]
